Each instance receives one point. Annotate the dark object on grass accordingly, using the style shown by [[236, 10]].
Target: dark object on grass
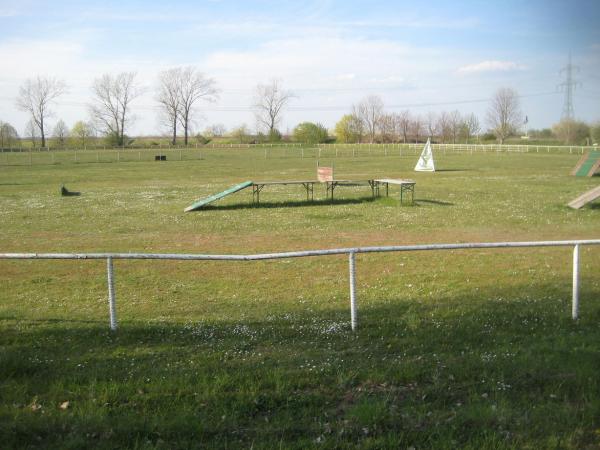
[[66, 193], [160, 157]]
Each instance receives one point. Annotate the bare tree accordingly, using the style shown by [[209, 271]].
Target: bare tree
[[388, 127], [471, 127], [443, 126], [32, 131], [112, 102], [36, 97], [431, 124], [416, 126], [370, 112], [215, 130], [504, 114], [455, 123], [8, 134], [269, 102], [404, 124], [61, 132], [169, 98], [193, 86]]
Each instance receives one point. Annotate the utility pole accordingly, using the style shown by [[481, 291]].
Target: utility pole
[[568, 86]]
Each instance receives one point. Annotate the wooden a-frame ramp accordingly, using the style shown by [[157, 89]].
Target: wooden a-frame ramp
[[585, 198], [588, 165]]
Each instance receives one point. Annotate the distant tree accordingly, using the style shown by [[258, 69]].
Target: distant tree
[[504, 114], [193, 86], [201, 139], [404, 121], [455, 122], [546, 133], [416, 127], [112, 103], [241, 134], [388, 127], [571, 131], [274, 135], [349, 129], [310, 133], [169, 99], [82, 131], [431, 124], [32, 131], [8, 134], [61, 132], [443, 127], [269, 102], [370, 111], [217, 130], [595, 132], [471, 127], [36, 97]]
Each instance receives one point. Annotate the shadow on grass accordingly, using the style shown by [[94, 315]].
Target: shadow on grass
[[50, 320], [288, 204], [433, 202], [291, 378]]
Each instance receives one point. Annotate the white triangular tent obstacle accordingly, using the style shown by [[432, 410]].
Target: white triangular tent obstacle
[[425, 163]]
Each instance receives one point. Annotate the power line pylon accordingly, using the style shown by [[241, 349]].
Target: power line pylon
[[569, 85]]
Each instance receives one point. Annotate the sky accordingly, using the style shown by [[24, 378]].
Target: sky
[[421, 56]]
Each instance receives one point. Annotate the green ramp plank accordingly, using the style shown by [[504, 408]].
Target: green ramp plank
[[205, 201], [585, 168]]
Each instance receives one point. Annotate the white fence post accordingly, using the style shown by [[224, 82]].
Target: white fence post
[[351, 259], [575, 305], [111, 294]]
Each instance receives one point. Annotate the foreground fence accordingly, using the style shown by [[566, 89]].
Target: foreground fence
[[351, 252]]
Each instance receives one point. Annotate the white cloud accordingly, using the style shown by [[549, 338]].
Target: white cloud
[[318, 61], [490, 66]]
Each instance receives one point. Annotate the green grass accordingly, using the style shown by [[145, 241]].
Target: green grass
[[462, 349]]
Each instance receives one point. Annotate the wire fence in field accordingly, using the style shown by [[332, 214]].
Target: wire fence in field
[[45, 156], [350, 252]]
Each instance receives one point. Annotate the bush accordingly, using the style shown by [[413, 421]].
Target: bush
[[202, 140], [114, 140], [310, 133], [274, 135]]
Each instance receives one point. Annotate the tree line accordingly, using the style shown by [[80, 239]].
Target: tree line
[[179, 91]]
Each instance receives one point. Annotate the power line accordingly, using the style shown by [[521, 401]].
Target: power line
[[240, 108]]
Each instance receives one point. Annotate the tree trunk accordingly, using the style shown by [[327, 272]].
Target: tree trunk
[[175, 130], [185, 130], [42, 132]]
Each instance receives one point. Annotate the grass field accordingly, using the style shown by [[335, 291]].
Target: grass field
[[462, 349]]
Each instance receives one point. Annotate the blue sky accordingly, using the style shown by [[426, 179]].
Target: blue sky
[[422, 56]]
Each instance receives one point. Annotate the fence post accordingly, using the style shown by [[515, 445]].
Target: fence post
[[575, 305], [352, 264], [111, 294]]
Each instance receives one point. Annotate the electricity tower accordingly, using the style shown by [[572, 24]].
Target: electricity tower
[[568, 86]]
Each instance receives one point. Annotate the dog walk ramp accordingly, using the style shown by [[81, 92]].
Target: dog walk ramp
[[585, 198], [213, 198]]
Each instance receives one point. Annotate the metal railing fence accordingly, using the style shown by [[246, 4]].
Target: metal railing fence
[[351, 252]]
